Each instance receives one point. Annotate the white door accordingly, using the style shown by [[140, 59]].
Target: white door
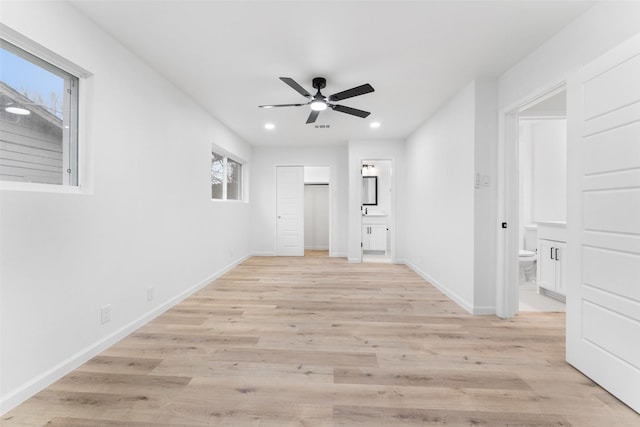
[[290, 211], [603, 256]]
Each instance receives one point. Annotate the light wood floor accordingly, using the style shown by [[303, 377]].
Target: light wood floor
[[316, 341]]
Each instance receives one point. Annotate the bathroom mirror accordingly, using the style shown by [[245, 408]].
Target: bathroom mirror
[[369, 190]]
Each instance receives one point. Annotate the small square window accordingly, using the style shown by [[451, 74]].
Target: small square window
[[38, 120], [226, 178]]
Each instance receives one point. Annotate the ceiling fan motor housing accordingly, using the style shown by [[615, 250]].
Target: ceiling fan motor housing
[[319, 82]]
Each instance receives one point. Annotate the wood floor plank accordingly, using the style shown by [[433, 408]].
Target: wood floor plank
[[85, 422], [112, 383], [227, 413], [206, 367], [353, 416], [318, 341], [128, 365], [467, 378], [269, 355]]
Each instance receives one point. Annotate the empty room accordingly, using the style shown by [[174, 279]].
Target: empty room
[[319, 213]]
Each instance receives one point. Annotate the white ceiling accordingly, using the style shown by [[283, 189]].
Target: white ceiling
[[228, 55]]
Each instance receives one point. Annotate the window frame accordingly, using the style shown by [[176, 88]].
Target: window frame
[[225, 173], [74, 144], [240, 178]]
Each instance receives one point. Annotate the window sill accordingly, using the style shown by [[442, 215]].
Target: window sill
[[228, 201], [40, 188]]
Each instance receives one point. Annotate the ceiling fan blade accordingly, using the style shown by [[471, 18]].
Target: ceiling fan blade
[[282, 105], [313, 116], [350, 93], [349, 110], [295, 86]]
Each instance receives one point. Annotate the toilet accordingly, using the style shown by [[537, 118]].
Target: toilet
[[527, 256]]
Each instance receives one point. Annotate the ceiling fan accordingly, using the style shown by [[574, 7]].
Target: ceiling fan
[[319, 102]]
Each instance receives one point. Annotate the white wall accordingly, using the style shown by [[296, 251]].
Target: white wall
[[602, 27], [542, 173], [485, 196], [525, 179], [316, 174], [449, 221], [439, 212], [146, 220], [263, 192], [549, 138]]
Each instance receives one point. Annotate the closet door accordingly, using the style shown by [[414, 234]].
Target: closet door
[[290, 211], [603, 292]]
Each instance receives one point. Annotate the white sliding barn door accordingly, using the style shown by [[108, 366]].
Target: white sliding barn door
[[290, 211], [603, 296]]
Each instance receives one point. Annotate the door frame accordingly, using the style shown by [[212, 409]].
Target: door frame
[[507, 263], [300, 210], [392, 223], [275, 215]]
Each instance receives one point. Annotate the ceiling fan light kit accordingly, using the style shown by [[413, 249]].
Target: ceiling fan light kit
[[318, 105], [319, 102]]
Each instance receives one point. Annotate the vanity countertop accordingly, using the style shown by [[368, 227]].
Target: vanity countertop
[[374, 219], [552, 230], [553, 223]]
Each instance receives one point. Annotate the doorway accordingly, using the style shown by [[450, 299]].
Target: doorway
[[303, 210], [542, 207], [533, 201], [316, 209], [377, 210], [290, 211]]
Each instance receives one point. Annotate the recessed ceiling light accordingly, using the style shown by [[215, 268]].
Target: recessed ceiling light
[[375, 125], [269, 126], [17, 110]]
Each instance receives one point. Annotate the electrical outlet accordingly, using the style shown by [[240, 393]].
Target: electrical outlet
[[105, 313], [149, 293]]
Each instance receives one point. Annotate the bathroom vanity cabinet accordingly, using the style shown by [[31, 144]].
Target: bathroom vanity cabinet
[[551, 266], [374, 237]]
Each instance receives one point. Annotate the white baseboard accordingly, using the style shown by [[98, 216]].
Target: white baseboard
[[484, 311], [15, 397], [316, 248], [263, 254], [442, 288], [337, 255], [331, 254]]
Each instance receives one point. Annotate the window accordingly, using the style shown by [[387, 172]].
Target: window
[[226, 178], [38, 120]]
